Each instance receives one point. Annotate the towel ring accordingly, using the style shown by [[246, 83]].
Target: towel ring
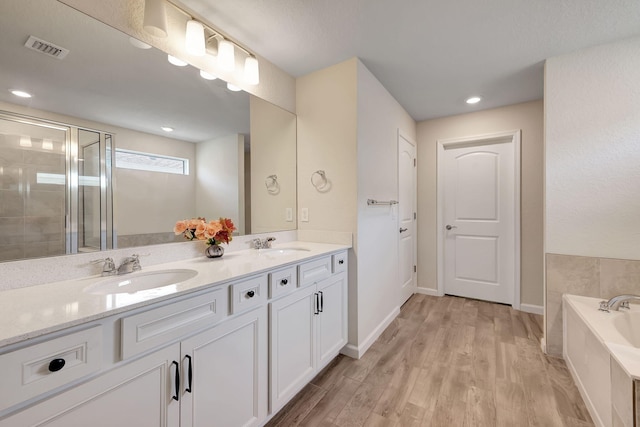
[[273, 187], [321, 182]]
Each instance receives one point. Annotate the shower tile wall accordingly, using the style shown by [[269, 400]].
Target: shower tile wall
[[587, 276], [31, 213]]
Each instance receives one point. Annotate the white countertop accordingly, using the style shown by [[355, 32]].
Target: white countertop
[[606, 327], [36, 310]]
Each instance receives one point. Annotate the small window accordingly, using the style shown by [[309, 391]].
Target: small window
[[126, 159]]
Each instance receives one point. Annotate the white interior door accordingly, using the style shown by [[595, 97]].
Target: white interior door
[[407, 217], [479, 219]]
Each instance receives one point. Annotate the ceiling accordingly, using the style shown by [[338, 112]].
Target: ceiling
[[429, 54]]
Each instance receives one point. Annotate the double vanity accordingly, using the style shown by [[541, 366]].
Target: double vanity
[[224, 342]]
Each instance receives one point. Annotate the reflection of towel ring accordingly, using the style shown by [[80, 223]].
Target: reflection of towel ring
[[273, 187], [321, 182]]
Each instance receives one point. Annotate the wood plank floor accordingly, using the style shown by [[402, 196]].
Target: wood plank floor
[[445, 362]]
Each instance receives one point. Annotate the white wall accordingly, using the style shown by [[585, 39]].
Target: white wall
[[592, 117], [219, 174], [528, 117], [273, 152], [379, 119], [347, 126]]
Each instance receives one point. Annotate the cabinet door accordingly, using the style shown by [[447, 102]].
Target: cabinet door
[[136, 394], [292, 350], [332, 321], [229, 383]]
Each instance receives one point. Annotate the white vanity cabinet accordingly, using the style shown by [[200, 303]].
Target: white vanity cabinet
[[139, 393], [308, 328], [225, 355]]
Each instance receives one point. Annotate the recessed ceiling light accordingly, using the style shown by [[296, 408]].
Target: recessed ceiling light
[[474, 100], [207, 76], [138, 43], [175, 61], [21, 93], [167, 128], [233, 88]]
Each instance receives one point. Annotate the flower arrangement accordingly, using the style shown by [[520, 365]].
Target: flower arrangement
[[213, 232]]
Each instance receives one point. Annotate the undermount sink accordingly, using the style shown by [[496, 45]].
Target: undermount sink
[[278, 252], [135, 282]]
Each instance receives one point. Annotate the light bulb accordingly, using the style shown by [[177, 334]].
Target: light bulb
[[251, 71], [25, 141], [175, 61], [21, 93], [155, 18], [233, 87], [207, 76], [226, 55], [167, 128], [473, 100], [194, 38]]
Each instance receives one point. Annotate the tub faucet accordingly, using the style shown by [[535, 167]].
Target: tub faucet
[[619, 301]]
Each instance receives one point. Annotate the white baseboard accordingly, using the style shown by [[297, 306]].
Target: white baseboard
[[356, 352], [427, 291], [530, 308]]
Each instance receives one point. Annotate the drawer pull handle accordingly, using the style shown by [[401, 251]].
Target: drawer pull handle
[[189, 374], [177, 380], [250, 294], [316, 308], [284, 282], [321, 302], [341, 262], [56, 364]]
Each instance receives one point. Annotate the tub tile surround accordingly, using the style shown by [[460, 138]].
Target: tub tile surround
[[585, 276]]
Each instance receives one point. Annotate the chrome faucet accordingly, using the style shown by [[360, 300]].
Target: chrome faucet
[[262, 243], [108, 268], [130, 264], [617, 302]]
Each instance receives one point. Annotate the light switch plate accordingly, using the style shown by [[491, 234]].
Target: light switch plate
[[304, 214], [288, 214]]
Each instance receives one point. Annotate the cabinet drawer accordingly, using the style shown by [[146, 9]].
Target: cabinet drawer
[[339, 262], [42, 367], [152, 328], [248, 294], [282, 282], [313, 271]]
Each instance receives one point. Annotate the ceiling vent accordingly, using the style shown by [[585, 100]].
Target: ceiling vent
[[46, 47]]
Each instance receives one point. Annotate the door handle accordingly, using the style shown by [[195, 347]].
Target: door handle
[[402, 230], [177, 381], [450, 227], [189, 374]]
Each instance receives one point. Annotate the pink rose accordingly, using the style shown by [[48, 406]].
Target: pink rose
[[180, 227]]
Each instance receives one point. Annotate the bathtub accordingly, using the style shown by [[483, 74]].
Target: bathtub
[[602, 352]]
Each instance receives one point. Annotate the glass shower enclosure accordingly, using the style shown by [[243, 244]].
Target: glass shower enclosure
[[56, 188]]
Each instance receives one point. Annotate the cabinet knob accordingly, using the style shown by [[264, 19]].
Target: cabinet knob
[[341, 262], [56, 364], [250, 294], [283, 282]]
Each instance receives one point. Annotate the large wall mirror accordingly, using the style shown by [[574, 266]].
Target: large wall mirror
[[99, 111]]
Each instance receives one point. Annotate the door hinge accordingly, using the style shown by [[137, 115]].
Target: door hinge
[[415, 268], [415, 162]]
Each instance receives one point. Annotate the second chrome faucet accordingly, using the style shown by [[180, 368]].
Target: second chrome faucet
[[128, 265]]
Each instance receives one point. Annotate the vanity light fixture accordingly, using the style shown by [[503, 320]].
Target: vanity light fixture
[[233, 87], [251, 71], [21, 93], [473, 100], [207, 76], [167, 128], [155, 18], [194, 38], [175, 61], [226, 55], [200, 40]]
